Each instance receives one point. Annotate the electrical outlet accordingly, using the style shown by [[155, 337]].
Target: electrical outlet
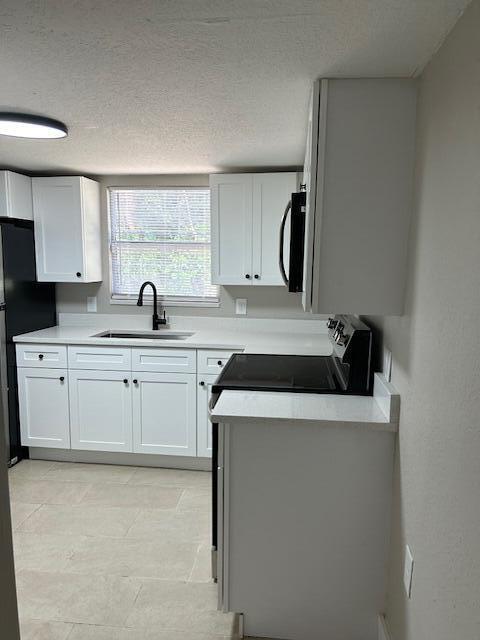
[[408, 571], [92, 304], [387, 364], [241, 306]]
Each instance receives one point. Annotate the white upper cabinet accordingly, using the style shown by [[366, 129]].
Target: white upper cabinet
[[246, 213], [15, 196], [231, 207], [271, 193], [359, 176], [67, 229]]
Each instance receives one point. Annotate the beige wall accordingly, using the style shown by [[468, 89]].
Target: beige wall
[[436, 359], [270, 302]]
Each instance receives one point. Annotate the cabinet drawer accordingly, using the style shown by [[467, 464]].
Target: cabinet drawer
[[41, 355], [164, 360], [213, 361], [104, 358]]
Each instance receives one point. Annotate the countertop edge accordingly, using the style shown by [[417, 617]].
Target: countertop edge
[[251, 341], [385, 402], [125, 342], [386, 427]]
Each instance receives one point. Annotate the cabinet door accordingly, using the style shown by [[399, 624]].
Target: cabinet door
[[271, 193], [164, 413], [43, 406], [231, 219], [15, 196], [57, 206], [204, 426], [101, 410]]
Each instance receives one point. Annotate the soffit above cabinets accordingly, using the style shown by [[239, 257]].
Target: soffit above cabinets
[[194, 86]]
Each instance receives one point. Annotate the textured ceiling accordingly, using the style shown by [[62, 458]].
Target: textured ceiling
[[189, 86]]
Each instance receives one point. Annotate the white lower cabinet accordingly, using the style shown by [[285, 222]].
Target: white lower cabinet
[[101, 410], [88, 398], [204, 426], [164, 413], [43, 406]]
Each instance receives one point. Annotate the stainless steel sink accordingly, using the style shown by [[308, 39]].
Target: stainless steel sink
[[144, 335]]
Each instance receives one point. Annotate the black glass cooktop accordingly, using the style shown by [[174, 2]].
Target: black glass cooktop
[[307, 374]]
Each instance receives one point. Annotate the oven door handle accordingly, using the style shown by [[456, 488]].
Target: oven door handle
[[281, 263]]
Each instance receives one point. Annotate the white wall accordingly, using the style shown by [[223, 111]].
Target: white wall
[[270, 302], [436, 359]]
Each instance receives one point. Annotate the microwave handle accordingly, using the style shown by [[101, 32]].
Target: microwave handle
[[282, 240]]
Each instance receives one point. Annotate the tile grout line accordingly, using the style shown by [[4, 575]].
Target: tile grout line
[[135, 520], [179, 500], [17, 527], [199, 546], [70, 633]]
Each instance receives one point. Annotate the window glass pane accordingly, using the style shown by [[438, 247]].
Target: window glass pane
[[176, 269], [161, 235]]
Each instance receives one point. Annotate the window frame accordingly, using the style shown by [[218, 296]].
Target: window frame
[[166, 301]]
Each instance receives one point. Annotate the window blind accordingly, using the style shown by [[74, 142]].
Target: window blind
[[162, 235]]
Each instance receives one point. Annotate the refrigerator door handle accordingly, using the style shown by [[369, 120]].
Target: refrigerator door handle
[[281, 263]]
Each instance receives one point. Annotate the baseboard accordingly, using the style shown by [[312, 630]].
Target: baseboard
[[131, 459], [383, 632]]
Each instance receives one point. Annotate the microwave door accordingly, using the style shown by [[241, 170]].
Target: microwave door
[[292, 271]]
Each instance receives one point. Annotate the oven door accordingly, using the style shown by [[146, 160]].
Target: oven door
[[292, 274]]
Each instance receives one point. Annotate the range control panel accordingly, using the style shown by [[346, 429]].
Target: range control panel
[[352, 344]]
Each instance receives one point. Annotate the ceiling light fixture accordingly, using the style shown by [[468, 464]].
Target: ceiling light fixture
[[22, 125]]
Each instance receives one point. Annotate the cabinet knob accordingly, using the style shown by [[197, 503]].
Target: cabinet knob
[[125, 381], [248, 276], [219, 363], [135, 381], [79, 275], [256, 276], [201, 383], [40, 356], [62, 379]]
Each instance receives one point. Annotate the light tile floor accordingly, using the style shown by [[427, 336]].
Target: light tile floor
[[113, 553]]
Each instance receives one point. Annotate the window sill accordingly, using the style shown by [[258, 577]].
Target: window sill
[[166, 303]]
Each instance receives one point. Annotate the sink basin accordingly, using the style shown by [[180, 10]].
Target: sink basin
[[144, 335]]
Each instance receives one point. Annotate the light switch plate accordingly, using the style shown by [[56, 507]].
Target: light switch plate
[[387, 364], [92, 304], [408, 571], [241, 306]]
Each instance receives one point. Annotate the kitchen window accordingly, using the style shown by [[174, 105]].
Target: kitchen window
[[162, 235]]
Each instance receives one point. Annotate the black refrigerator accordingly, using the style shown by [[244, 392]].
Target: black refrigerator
[[25, 305]]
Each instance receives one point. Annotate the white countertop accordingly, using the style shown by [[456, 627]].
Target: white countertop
[[252, 341], [380, 411]]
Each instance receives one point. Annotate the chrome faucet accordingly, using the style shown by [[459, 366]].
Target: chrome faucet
[[156, 320]]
